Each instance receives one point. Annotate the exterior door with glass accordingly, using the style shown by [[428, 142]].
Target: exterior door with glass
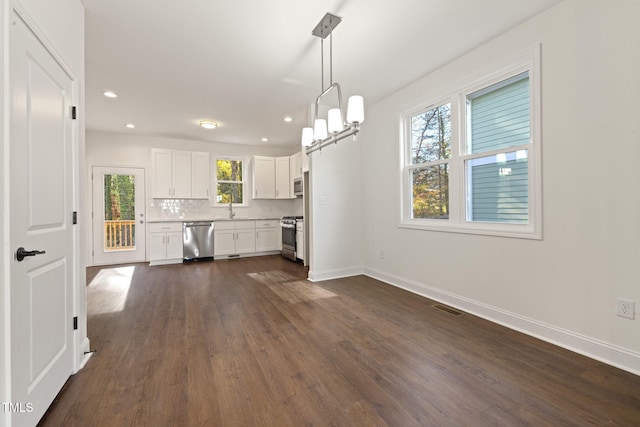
[[118, 215]]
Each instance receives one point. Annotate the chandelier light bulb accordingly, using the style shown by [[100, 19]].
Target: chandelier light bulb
[[320, 129], [307, 137], [355, 109], [335, 120]]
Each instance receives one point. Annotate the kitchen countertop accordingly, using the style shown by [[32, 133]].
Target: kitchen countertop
[[156, 220]]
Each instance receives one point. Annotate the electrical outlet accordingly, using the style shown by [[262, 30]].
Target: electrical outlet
[[626, 308], [381, 254]]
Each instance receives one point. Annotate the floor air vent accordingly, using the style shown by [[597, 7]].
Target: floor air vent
[[447, 309]]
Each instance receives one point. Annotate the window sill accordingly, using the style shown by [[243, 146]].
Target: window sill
[[484, 229]]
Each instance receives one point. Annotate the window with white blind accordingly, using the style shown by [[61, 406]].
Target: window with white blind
[[471, 163]]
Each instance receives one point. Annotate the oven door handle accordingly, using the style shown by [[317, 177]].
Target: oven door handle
[[288, 225]]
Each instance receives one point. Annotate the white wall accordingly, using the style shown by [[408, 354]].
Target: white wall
[[563, 287], [60, 25], [121, 149], [336, 210]]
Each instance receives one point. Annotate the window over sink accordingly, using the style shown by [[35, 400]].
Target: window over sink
[[230, 181]]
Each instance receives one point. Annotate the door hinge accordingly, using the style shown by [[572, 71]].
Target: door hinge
[[73, 113], [75, 217], [75, 323]]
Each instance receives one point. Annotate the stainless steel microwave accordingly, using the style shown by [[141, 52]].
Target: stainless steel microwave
[[298, 187]]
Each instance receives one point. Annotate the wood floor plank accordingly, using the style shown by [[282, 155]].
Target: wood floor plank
[[250, 342]]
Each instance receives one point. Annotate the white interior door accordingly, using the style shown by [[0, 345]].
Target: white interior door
[[41, 203], [118, 215]]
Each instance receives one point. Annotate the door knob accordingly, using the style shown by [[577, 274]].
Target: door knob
[[21, 253]]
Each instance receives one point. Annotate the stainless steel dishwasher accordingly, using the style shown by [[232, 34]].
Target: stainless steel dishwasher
[[197, 240]]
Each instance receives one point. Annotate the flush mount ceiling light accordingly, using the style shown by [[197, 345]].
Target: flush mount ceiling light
[[335, 127], [208, 124], [288, 119], [130, 125], [110, 94]]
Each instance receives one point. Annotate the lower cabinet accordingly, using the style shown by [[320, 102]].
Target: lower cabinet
[[245, 237], [267, 235], [234, 237], [300, 245], [165, 242]]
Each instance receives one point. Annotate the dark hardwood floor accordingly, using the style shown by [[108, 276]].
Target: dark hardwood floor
[[250, 342]]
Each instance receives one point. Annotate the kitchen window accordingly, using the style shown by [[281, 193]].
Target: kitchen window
[[471, 163], [230, 181]]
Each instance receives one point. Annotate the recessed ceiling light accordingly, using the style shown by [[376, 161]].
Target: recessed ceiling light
[[288, 119], [130, 125], [110, 94], [208, 124], [265, 139]]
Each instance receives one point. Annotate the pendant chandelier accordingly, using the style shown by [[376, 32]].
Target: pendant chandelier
[[334, 127]]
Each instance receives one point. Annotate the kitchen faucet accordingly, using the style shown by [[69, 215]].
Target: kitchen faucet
[[231, 212]]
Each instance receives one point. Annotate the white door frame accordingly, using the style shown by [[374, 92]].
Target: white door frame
[[80, 341], [97, 198]]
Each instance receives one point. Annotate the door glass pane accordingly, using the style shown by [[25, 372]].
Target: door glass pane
[[431, 192], [119, 212], [498, 188]]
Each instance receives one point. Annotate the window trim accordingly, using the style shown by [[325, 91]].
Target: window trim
[[244, 181], [525, 61]]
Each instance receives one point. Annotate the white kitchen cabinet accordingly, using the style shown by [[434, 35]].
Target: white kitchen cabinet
[[264, 177], [296, 165], [300, 240], [295, 171], [234, 237], [180, 174], [165, 242], [271, 178], [200, 175], [162, 175], [283, 184], [267, 235]]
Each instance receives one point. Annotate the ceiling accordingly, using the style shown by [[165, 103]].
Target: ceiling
[[247, 64]]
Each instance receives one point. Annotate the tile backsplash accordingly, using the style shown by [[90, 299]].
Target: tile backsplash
[[192, 209]]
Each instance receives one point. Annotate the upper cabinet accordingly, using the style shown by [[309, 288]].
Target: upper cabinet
[[200, 175], [295, 171], [180, 174], [264, 177], [271, 178], [283, 183]]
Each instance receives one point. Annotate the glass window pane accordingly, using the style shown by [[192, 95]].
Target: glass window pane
[[230, 192], [228, 170], [430, 135], [119, 226], [431, 192], [498, 188], [499, 115]]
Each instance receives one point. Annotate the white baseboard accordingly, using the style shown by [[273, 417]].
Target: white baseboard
[[319, 276], [610, 354]]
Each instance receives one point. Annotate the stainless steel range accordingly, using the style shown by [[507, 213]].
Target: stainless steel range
[[289, 248]]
